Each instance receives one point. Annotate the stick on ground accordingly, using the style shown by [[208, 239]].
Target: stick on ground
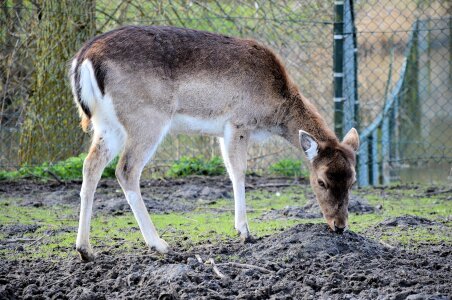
[[198, 258], [215, 269], [246, 266]]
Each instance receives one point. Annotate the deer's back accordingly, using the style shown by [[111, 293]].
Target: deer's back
[[176, 53], [189, 73]]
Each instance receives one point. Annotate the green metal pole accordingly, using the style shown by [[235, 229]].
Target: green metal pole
[[355, 58], [338, 72]]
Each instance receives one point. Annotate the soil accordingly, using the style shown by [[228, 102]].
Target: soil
[[311, 210], [307, 261], [407, 221], [160, 195]]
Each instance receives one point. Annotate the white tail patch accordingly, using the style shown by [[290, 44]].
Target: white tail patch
[[90, 91], [106, 125], [72, 76]]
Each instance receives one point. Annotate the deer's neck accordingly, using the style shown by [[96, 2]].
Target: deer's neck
[[303, 115]]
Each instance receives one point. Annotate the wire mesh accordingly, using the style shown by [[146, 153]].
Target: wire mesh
[[301, 32], [420, 146]]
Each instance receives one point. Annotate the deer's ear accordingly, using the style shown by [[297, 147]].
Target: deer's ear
[[352, 139], [309, 145]]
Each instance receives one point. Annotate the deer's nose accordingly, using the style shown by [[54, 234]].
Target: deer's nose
[[338, 230]]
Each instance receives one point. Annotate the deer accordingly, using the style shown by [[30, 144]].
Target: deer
[[136, 84]]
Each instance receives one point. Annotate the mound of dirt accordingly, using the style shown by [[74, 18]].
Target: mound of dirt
[[407, 221], [311, 210], [304, 262], [17, 229]]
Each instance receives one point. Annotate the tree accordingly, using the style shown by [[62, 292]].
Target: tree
[[50, 130]]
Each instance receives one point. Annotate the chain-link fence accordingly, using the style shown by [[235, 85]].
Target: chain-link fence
[[301, 32], [404, 87]]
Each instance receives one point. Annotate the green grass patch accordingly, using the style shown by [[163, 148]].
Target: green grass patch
[[68, 169], [396, 202], [57, 225], [288, 167], [72, 169], [197, 165], [427, 235]]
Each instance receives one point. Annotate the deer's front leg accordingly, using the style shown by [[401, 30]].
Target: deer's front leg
[[233, 148]]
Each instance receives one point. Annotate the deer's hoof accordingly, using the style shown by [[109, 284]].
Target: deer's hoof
[[244, 233], [247, 238], [161, 246], [86, 253]]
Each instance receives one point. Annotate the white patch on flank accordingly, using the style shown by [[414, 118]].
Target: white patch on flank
[[260, 136], [189, 124], [90, 91]]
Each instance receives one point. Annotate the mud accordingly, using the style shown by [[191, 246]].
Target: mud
[[304, 262], [407, 221], [159, 195]]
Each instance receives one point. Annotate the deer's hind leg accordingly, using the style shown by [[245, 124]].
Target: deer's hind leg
[[141, 144], [103, 149]]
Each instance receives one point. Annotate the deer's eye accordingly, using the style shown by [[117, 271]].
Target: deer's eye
[[321, 183]]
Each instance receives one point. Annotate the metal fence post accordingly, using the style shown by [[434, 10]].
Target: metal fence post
[[338, 65], [355, 58]]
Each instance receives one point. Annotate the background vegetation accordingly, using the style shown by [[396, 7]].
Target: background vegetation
[[38, 121]]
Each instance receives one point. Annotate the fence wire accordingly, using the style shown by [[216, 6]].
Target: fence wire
[[301, 32], [419, 123]]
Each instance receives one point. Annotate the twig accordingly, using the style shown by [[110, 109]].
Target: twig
[[61, 280], [215, 269], [31, 244], [55, 176], [438, 192], [386, 245], [19, 240], [246, 266], [198, 257]]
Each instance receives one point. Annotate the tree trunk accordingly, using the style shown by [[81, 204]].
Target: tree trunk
[[50, 130]]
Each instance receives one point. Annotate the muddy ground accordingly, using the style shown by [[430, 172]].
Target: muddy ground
[[304, 262], [160, 195]]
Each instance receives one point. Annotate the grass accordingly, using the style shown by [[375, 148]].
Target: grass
[[57, 225], [71, 169], [198, 165], [64, 170], [288, 167]]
